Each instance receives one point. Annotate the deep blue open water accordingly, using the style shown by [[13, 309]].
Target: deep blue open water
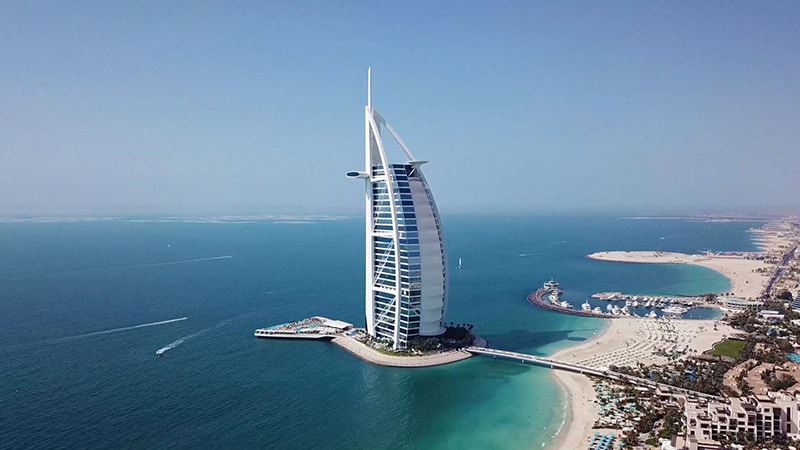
[[75, 375]]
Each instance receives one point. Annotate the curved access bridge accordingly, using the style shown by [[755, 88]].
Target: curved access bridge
[[586, 370]]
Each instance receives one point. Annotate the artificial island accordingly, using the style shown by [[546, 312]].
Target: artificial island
[[406, 272]]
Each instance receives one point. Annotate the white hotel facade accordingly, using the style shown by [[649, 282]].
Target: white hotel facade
[[757, 416], [406, 263]]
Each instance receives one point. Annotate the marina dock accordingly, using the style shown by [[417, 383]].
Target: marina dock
[[671, 307], [536, 298]]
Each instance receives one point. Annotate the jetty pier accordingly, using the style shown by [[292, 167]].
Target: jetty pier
[[536, 298]]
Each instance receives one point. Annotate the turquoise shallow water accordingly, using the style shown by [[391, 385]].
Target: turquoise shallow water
[[74, 376]]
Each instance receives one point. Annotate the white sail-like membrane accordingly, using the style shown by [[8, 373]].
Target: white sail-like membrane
[[432, 270]]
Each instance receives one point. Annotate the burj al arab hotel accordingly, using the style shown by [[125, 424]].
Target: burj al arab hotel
[[406, 266]]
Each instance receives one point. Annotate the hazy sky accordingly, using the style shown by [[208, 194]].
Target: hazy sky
[[257, 107]]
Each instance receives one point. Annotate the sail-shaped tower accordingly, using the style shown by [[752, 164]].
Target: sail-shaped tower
[[406, 265]]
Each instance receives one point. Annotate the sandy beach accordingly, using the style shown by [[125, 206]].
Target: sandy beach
[[778, 237], [624, 342], [745, 281]]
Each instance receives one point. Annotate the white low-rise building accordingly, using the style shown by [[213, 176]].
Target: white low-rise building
[[759, 416], [736, 305], [770, 316]]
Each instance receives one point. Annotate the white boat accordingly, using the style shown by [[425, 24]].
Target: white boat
[[459, 266], [597, 310], [553, 286], [652, 315], [554, 297], [674, 310], [635, 303], [586, 306], [625, 311], [566, 305], [610, 307], [628, 303]]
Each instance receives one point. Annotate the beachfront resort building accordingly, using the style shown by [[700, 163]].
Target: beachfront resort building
[[758, 416], [406, 270], [737, 305]]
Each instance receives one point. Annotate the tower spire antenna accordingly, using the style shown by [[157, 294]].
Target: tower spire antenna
[[369, 88]]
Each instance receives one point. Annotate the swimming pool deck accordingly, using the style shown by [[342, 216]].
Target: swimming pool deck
[[373, 356]]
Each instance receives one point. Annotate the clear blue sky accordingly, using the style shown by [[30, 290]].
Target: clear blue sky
[[257, 107]]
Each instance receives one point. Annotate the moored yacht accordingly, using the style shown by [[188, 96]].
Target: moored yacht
[[586, 306], [553, 286], [674, 310]]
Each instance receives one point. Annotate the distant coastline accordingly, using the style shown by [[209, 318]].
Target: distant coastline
[[742, 273]]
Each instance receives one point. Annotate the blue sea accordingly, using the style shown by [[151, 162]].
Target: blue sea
[[84, 306]]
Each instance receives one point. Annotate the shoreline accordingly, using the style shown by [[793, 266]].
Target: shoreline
[[742, 273], [373, 356], [577, 421]]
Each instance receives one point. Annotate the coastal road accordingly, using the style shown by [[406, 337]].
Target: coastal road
[[778, 272]]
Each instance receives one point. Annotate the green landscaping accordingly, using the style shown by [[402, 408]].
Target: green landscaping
[[728, 347]]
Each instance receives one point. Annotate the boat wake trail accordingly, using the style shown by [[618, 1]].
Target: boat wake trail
[[183, 261], [117, 330], [114, 267], [170, 346]]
